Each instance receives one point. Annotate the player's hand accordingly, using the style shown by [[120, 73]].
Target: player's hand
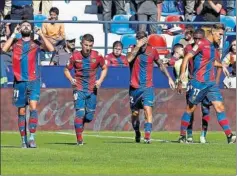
[[179, 87], [141, 42], [98, 83], [171, 83], [73, 81], [17, 29], [182, 77], [225, 71], [38, 31]]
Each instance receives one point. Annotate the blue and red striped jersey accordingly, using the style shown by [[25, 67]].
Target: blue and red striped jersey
[[113, 61], [85, 69], [205, 54], [25, 60], [141, 68]]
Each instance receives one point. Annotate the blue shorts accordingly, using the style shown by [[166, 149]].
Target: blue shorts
[[141, 97], [25, 91], [198, 92], [85, 101]]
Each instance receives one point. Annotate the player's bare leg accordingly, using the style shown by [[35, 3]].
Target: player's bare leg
[[148, 124], [33, 121], [136, 125], [185, 120], [22, 125], [223, 121]]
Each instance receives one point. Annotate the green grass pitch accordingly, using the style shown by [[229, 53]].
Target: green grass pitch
[[117, 153]]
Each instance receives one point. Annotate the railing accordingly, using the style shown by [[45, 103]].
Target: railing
[[106, 23]]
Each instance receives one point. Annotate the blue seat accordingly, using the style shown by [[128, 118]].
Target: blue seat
[[177, 38], [121, 28], [39, 17], [127, 40], [229, 23]]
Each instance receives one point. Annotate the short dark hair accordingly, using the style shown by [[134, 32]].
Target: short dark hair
[[218, 26], [24, 21], [117, 43], [189, 28], [199, 31], [141, 34], [176, 46], [87, 37], [54, 9]]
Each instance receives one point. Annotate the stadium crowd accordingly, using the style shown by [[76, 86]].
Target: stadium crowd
[[138, 10]]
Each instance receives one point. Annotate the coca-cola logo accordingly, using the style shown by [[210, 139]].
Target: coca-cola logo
[[112, 113]]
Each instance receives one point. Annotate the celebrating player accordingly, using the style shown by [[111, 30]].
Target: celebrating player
[[205, 104], [85, 64], [203, 84], [26, 77], [141, 91]]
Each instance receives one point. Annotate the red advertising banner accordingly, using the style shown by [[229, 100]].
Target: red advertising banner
[[56, 110]]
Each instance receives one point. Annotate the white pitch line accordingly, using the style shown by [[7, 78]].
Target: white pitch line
[[112, 137]]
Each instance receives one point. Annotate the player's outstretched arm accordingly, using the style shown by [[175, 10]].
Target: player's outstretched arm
[[46, 42], [163, 68], [102, 76], [224, 68], [69, 76], [9, 42], [184, 65]]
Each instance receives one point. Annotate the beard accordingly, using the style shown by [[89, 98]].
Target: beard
[[25, 33]]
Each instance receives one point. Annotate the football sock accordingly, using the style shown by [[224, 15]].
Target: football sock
[[147, 129], [224, 123], [184, 123], [33, 120], [22, 127], [79, 127]]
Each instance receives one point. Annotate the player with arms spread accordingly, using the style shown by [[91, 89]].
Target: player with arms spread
[[85, 63], [26, 77], [141, 91], [203, 84]]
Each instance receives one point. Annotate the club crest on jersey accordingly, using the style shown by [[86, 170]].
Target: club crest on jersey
[[93, 60]]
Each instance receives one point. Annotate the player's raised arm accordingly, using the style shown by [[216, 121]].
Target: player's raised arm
[[132, 53], [10, 41], [184, 64], [48, 45], [102, 74]]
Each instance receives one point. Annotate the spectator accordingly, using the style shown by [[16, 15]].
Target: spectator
[[116, 58], [4, 67], [209, 11], [147, 11], [107, 9], [7, 7], [188, 36], [159, 9], [64, 52], [230, 60], [54, 31], [42, 7], [21, 9], [189, 10], [5, 56], [176, 61], [230, 8]]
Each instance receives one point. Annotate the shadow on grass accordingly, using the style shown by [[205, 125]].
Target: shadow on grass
[[62, 143]]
